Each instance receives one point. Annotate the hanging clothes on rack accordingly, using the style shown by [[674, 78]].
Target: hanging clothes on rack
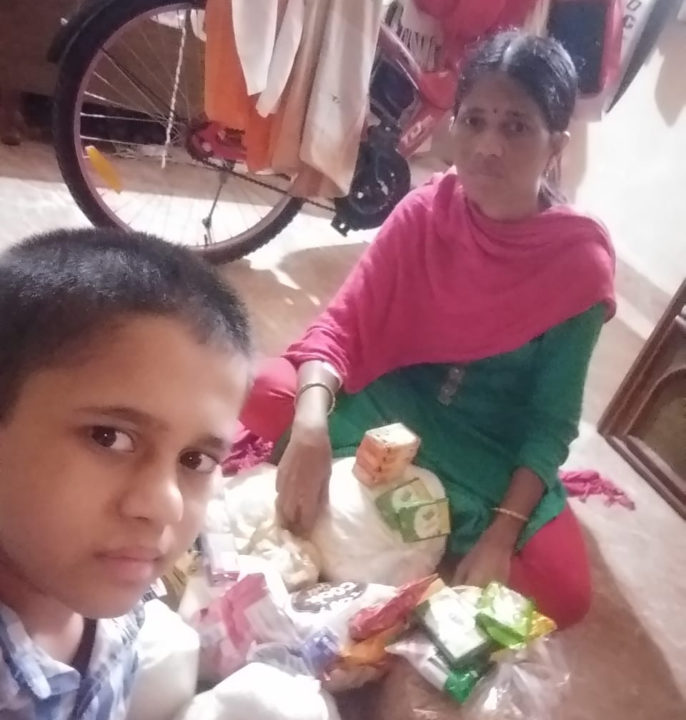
[[226, 95], [298, 92]]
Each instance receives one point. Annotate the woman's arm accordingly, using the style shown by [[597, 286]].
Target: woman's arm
[[552, 419]]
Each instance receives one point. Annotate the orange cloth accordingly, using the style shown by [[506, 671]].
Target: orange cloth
[[226, 96]]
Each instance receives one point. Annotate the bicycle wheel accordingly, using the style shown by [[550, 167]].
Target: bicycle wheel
[[128, 97]]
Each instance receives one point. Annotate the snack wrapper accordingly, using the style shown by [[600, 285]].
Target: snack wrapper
[[424, 521], [321, 651], [221, 558], [425, 658], [449, 618], [395, 612], [505, 615], [244, 615]]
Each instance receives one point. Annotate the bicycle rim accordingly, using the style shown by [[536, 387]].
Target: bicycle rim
[[138, 97]]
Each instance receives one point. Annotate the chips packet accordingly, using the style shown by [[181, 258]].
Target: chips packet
[[397, 611]]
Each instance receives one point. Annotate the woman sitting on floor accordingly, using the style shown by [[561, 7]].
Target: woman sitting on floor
[[471, 318]]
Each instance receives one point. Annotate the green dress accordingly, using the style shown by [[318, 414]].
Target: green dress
[[480, 422]]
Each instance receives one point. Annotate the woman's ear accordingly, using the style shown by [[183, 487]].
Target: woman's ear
[[559, 142]]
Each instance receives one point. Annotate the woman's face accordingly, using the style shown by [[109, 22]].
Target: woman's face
[[503, 147]]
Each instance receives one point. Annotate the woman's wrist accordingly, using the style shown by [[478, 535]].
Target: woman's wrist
[[504, 531]]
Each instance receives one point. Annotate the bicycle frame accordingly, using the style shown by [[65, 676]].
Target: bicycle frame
[[441, 86]]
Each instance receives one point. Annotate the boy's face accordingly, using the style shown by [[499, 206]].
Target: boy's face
[[106, 464]]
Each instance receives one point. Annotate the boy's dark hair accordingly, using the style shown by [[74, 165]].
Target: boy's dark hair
[[59, 289]]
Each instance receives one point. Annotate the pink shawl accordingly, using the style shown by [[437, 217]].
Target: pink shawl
[[443, 283]]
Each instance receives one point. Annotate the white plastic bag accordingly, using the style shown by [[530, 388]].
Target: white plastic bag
[[247, 511], [167, 665], [355, 543], [528, 684], [262, 692]]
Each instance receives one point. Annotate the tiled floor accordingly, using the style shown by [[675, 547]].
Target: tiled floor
[[628, 659]]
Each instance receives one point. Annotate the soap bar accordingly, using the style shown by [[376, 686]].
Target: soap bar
[[410, 493], [384, 454], [505, 615], [424, 521], [450, 621]]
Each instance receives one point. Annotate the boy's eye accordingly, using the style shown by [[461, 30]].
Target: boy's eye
[[112, 439], [198, 462]]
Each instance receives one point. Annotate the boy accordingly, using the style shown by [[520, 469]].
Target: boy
[[123, 365]]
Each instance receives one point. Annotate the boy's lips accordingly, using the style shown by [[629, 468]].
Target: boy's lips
[[132, 564]]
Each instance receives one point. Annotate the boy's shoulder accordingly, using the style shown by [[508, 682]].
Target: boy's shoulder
[[34, 685]]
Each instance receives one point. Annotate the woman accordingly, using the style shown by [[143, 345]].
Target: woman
[[471, 318]]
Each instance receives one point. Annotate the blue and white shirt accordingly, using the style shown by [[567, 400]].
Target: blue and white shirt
[[35, 686]]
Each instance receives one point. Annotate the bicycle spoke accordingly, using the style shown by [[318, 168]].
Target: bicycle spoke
[[144, 68]]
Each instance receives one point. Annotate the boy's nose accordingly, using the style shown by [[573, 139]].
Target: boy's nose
[[155, 496]]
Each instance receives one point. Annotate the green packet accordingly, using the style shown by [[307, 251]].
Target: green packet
[[405, 495], [424, 521], [450, 621], [505, 615], [461, 683]]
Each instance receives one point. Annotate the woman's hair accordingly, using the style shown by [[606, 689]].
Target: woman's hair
[[59, 290], [540, 65]]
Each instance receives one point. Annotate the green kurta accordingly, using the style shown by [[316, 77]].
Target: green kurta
[[480, 422]]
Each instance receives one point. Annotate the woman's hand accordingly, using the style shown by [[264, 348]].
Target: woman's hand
[[487, 561], [302, 479]]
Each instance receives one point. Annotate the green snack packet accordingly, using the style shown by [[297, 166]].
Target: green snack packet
[[405, 495], [424, 520], [450, 621], [461, 683], [505, 615]]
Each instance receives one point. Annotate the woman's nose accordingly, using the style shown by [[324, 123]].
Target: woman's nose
[[489, 143]]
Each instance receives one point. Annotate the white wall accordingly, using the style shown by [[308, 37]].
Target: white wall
[[630, 169]]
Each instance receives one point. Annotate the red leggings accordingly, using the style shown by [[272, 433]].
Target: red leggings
[[552, 567]]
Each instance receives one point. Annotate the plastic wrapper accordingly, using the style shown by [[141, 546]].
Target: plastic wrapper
[[397, 611], [505, 615], [418, 650], [449, 619], [244, 615], [526, 684]]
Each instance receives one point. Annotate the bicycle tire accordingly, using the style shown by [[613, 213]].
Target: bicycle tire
[[72, 68]]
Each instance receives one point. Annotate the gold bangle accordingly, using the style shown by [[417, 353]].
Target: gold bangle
[[511, 513], [308, 386]]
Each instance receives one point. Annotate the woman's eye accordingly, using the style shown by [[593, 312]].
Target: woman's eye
[[516, 127], [198, 462], [112, 439], [472, 121]]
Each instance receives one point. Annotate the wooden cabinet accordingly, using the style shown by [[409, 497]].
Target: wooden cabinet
[[646, 420], [27, 27]]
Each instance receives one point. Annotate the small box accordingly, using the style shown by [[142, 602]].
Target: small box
[[424, 521], [410, 493], [384, 454]]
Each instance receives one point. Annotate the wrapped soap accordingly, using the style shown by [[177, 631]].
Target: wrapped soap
[[424, 521], [449, 619], [425, 658], [408, 494], [384, 454], [505, 615]]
